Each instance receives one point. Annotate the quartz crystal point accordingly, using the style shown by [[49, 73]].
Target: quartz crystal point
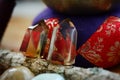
[[51, 40], [63, 43], [34, 39]]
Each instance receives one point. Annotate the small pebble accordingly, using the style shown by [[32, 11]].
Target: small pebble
[[48, 76]]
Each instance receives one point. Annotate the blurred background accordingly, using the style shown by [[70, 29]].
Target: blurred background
[[24, 13]]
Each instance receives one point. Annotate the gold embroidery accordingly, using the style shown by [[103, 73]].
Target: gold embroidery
[[115, 53], [93, 56], [91, 52], [111, 28], [86, 47], [98, 46]]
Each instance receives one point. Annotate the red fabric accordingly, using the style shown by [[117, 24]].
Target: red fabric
[[103, 47]]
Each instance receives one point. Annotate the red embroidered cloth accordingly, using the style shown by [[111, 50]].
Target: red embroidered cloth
[[103, 47]]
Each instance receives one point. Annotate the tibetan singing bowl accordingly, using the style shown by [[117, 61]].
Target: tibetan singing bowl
[[79, 6]]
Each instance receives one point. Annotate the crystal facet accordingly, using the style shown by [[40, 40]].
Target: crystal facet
[[51, 40]]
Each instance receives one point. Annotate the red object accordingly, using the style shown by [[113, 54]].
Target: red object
[[30, 41], [35, 37], [52, 41], [25, 41], [103, 47], [64, 48], [51, 23]]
